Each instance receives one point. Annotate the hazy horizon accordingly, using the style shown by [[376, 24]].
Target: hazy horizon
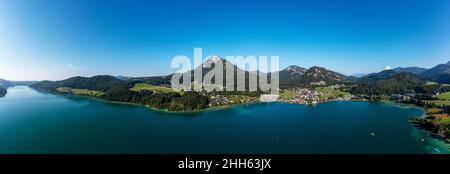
[[55, 40]]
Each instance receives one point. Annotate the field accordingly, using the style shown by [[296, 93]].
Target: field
[[331, 93], [438, 102], [442, 99], [444, 96], [157, 89], [286, 95], [240, 98], [439, 119], [86, 92], [434, 111], [445, 120]]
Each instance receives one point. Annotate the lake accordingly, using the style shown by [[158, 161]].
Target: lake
[[37, 122]]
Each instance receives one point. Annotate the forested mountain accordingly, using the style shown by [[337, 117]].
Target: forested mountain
[[377, 76], [440, 73], [155, 80], [114, 89], [414, 70], [404, 81], [292, 72], [321, 76], [440, 69], [100, 83]]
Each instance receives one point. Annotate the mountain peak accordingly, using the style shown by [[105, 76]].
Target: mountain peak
[[293, 67], [316, 67], [413, 69], [293, 70], [317, 75], [215, 58], [389, 71]]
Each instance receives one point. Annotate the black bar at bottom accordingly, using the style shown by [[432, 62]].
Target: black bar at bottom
[[226, 163]]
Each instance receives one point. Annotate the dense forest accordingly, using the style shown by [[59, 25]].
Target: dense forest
[[389, 83]]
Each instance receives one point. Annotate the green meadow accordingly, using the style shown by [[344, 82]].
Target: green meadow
[[86, 92], [157, 89]]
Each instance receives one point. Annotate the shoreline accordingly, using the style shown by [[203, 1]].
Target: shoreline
[[430, 132]]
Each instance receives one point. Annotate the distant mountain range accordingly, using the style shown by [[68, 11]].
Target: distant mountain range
[[290, 77], [294, 75], [414, 70], [403, 80], [388, 82], [440, 73], [359, 75]]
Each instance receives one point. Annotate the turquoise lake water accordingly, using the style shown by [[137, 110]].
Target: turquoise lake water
[[36, 122]]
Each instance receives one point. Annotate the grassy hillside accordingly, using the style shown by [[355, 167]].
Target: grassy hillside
[[444, 96]]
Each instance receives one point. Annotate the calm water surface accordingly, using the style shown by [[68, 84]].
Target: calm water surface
[[36, 122]]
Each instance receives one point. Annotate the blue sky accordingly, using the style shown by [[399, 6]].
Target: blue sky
[[57, 39]]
